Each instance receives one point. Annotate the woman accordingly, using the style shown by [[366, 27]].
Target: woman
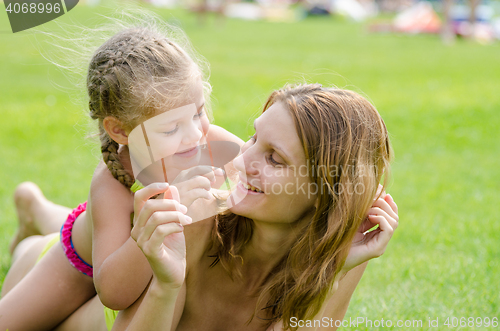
[[281, 253], [294, 247]]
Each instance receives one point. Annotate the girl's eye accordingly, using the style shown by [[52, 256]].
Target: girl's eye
[[200, 114], [171, 132], [253, 138]]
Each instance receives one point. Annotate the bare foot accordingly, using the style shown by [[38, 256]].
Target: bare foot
[[25, 195]]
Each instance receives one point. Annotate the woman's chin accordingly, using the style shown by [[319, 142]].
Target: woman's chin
[[244, 203], [238, 203]]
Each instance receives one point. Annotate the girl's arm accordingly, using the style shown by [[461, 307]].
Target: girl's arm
[[156, 311], [121, 272], [161, 238], [216, 133]]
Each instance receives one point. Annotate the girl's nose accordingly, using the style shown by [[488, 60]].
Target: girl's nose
[[193, 133]]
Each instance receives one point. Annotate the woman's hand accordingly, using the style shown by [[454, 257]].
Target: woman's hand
[[158, 231], [368, 245], [195, 183]]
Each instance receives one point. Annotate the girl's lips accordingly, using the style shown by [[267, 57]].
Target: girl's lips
[[189, 152]]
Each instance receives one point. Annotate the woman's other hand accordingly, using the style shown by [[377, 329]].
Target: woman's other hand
[[158, 231], [368, 245]]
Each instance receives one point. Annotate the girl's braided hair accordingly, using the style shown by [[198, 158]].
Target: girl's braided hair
[[135, 74]]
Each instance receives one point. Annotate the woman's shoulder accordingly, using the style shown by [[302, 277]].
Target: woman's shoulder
[[198, 239]]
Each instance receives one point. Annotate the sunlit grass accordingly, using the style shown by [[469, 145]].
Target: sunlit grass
[[440, 105]]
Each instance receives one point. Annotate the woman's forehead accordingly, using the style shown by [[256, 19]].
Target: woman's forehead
[[277, 127]]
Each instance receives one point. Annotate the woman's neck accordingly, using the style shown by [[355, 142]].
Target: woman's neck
[[269, 244]]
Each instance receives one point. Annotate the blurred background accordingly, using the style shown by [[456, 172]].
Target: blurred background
[[432, 70]]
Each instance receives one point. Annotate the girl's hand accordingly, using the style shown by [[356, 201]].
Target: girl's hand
[[195, 183], [366, 246], [158, 231]]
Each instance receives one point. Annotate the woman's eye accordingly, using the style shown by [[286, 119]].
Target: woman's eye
[[171, 132], [272, 160]]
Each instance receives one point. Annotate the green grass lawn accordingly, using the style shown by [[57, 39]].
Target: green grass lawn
[[441, 105]]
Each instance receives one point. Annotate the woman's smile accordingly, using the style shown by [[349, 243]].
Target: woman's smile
[[249, 189]]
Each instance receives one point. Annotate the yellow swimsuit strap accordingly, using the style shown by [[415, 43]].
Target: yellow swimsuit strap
[[136, 186]]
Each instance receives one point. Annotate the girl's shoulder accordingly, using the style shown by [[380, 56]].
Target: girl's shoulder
[[216, 133], [103, 180], [105, 190]]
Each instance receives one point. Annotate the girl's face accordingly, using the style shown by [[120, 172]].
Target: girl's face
[[174, 136], [273, 164]]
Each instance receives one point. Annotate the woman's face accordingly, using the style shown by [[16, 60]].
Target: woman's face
[[274, 184]]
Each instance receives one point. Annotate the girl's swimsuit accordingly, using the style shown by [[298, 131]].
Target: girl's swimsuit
[[73, 257], [67, 243]]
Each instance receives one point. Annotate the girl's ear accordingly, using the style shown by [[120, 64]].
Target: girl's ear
[[115, 130]]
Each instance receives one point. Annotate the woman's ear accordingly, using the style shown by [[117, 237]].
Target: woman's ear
[[115, 130]]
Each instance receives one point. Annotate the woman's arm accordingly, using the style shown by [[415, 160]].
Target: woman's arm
[[366, 246], [335, 306]]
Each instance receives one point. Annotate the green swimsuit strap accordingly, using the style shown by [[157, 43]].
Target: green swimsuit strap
[[136, 186]]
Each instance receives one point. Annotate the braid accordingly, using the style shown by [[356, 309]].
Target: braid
[[109, 149], [102, 86], [123, 79]]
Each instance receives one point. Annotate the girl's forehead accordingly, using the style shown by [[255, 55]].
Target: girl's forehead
[[172, 115]]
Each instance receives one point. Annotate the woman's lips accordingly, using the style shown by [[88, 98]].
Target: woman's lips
[[242, 188], [188, 152]]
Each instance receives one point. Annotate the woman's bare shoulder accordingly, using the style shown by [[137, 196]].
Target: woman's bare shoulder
[[198, 238]]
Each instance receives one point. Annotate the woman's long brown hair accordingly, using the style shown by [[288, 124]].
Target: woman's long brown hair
[[347, 151]]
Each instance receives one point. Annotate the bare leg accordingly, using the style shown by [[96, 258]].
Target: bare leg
[[90, 316], [28, 252], [36, 214], [44, 298]]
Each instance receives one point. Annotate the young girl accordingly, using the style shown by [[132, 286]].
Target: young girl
[[134, 76]]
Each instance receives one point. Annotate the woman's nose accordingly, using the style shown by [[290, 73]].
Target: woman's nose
[[246, 163]]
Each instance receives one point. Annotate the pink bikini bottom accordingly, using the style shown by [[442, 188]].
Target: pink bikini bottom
[[67, 244]]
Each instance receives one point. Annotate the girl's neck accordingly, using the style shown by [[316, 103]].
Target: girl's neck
[[124, 155]]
